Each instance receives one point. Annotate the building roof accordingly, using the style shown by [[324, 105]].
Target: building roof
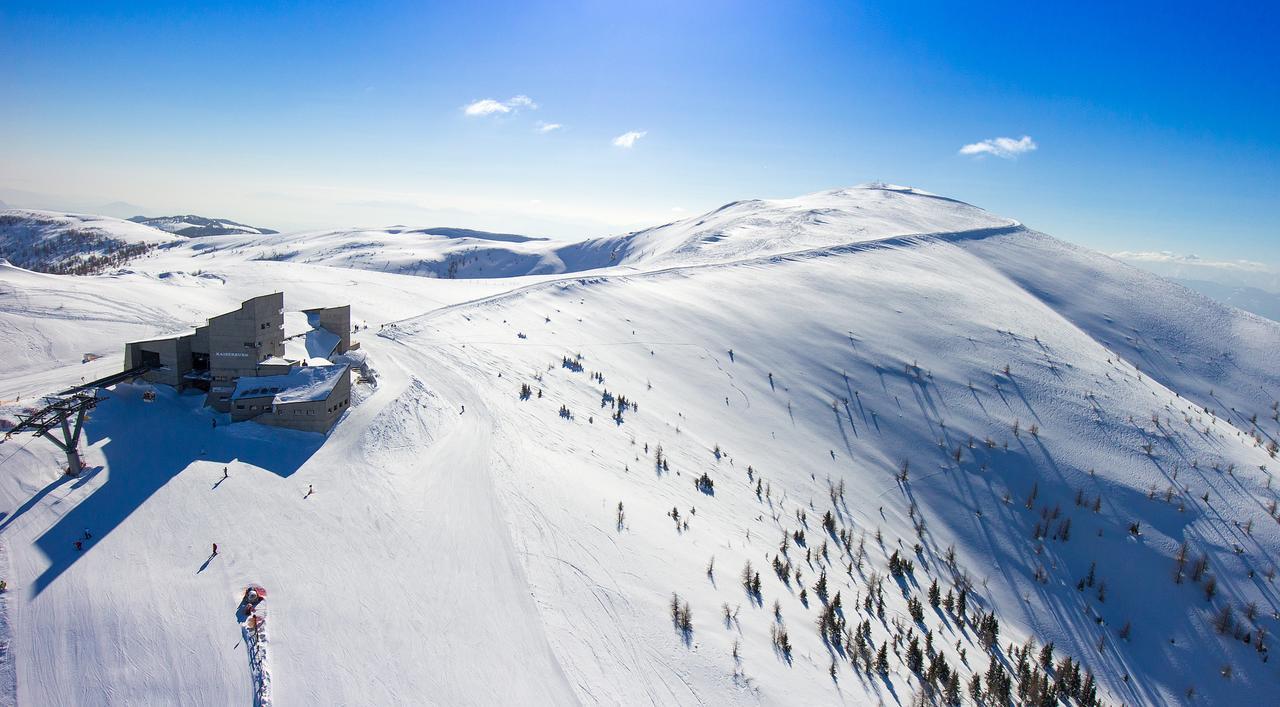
[[166, 337], [300, 385], [304, 338]]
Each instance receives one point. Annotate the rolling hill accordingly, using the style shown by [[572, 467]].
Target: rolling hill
[[193, 226]]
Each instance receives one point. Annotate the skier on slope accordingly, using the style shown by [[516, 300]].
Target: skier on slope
[[215, 549]]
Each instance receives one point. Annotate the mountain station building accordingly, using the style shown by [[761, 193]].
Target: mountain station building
[[259, 363]]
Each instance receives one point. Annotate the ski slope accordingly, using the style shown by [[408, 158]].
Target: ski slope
[[467, 546]]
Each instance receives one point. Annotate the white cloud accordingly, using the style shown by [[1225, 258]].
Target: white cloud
[[1192, 268], [522, 101], [488, 106], [1170, 258], [628, 139], [1005, 147], [548, 127]]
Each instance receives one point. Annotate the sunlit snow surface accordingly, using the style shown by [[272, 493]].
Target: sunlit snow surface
[[477, 557]]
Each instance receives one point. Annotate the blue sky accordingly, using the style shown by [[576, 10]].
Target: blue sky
[[1155, 125]]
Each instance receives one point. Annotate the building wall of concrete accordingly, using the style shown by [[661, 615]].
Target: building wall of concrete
[[175, 358], [336, 320], [200, 342], [249, 408], [239, 340], [310, 416], [272, 369]]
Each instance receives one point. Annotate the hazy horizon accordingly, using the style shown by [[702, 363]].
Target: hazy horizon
[[1117, 128]]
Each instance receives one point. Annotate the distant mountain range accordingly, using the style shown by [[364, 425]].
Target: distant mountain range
[[193, 226], [1250, 299]]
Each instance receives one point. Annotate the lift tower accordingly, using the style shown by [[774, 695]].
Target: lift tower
[[58, 411]]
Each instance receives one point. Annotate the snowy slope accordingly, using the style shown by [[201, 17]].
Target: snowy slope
[[746, 229], [431, 252], [735, 231], [1264, 303], [57, 242], [846, 330], [193, 226], [513, 553]]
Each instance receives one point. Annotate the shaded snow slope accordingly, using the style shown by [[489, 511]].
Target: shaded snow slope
[[1220, 357], [525, 551]]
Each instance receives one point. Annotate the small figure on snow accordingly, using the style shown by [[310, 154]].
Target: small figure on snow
[[87, 535], [225, 475], [78, 545], [310, 490], [215, 550], [464, 409]]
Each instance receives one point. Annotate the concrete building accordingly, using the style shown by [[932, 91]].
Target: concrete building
[[309, 398], [239, 341], [252, 343]]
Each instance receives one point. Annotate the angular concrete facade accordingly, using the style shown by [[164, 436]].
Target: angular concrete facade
[[239, 341], [168, 358]]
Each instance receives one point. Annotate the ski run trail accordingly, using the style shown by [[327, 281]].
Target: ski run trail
[[833, 381]]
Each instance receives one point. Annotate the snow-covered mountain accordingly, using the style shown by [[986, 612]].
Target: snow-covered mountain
[[193, 226], [73, 243], [555, 489]]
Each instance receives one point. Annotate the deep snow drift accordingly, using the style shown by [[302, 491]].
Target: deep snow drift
[[831, 379]]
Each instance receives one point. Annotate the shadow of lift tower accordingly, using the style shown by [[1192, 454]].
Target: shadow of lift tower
[[59, 410]]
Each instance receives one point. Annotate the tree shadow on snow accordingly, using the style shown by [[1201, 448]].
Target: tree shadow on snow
[[148, 444]]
